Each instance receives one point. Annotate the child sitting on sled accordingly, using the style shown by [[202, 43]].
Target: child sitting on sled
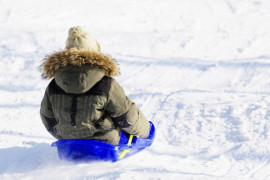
[[83, 100]]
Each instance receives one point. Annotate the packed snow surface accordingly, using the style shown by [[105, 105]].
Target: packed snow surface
[[198, 69]]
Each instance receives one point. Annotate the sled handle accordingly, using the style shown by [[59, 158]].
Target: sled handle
[[124, 152]]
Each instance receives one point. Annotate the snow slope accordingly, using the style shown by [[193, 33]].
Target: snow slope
[[198, 69]]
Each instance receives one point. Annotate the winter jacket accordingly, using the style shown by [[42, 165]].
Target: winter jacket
[[83, 101]]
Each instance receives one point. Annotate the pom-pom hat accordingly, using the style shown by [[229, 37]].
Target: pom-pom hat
[[78, 38]]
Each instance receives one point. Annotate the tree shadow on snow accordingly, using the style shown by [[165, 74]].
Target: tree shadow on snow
[[22, 159]]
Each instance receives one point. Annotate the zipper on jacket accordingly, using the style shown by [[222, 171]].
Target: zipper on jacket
[[73, 110]]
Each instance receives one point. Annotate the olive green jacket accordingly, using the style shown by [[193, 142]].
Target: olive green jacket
[[83, 101]]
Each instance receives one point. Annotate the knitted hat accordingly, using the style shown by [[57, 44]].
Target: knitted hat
[[78, 38]]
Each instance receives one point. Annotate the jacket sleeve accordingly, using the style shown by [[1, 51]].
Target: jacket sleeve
[[47, 116], [125, 113]]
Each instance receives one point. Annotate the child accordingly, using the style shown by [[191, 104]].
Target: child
[[83, 101]]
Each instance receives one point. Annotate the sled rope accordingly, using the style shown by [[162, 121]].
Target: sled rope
[[124, 152]]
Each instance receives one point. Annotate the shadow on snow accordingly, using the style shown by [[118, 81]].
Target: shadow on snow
[[22, 159]]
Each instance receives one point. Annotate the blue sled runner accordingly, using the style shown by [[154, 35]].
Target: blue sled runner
[[89, 150]]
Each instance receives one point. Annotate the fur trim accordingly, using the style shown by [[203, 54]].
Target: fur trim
[[78, 57]]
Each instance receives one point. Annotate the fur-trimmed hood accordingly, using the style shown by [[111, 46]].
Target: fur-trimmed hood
[[77, 57], [76, 71]]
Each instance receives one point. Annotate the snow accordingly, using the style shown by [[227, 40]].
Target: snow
[[198, 69]]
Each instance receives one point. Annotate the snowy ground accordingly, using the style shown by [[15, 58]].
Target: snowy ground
[[199, 69]]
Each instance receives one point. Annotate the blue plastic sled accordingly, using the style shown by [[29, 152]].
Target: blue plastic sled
[[89, 150]]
